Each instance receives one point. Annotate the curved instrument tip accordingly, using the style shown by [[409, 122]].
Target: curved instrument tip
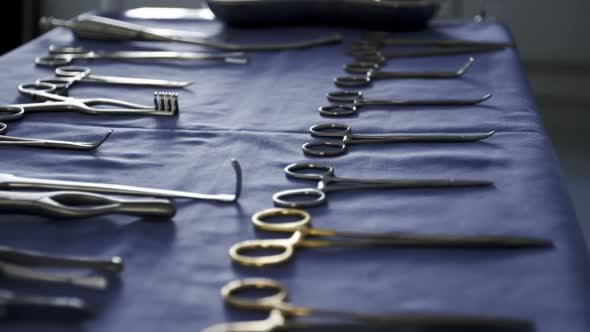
[[238, 170], [465, 67], [103, 139], [485, 97]]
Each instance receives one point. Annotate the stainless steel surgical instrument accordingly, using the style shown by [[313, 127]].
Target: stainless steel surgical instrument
[[329, 182], [12, 182], [45, 143], [96, 27], [370, 73], [344, 133], [64, 55], [16, 263], [31, 308], [255, 252], [165, 103], [238, 294], [355, 101], [68, 75]]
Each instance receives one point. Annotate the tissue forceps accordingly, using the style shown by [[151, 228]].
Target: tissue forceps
[[45, 143], [96, 27], [344, 132], [165, 103], [370, 73], [356, 101], [281, 311], [329, 182], [64, 55], [42, 308], [12, 182], [16, 263], [304, 236], [68, 75]]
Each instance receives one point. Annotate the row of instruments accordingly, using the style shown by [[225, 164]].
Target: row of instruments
[[67, 199]]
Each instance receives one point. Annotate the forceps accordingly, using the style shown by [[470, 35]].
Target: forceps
[[45, 143], [64, 55], [16, 263], [371, 73], [12, 182], [280, 311], [68, 75], [303, 231], [165, 103], [96, 27], [344, 132], [42, 308], [355, 101], [329, 182]]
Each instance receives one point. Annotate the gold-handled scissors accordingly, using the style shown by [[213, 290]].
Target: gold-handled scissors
[[246, 252], [280, 311]]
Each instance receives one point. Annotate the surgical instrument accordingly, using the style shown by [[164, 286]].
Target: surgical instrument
[[165, 103], [12, 182], [76, 204], [382, 39], [96, 27], [355, 101], [344, 133], [329, 182], [64, 55], [370, 73], [251, 252], [45, 143], [68, 75], [29, 308], [16, 263], [280, 311]]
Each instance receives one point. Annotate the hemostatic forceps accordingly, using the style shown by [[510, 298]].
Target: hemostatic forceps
[[344, 132], [96, 27], [371, 73], [12, 182], [68, 75], [280, 311], [64, 55], [45, 143], [30, 308], [13, 265], [355, 101], [165, 103], [304, 235], [328, 182]]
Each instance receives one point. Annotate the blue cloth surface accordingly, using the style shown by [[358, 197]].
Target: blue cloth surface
[[260, 114]]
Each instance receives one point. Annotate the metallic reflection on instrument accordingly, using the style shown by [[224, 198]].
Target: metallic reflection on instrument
[[45, 143], [35, 308]]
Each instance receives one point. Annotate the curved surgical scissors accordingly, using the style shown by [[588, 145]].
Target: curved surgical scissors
[[279, 311], [249, 253], [64, 55], [371, 73], [355, 101], [165, 103], [344, 132], [45, 143], [68, 75], [328, 182]]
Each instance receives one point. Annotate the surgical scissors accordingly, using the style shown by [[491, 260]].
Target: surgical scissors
[[344, 132], [42, 308], [245, 253], [12, 182], [68, 75], [45, 143], [356, 101], [280, 311], [371, 73], [329, 182], [14, 262], [64, 55], [165, 103]]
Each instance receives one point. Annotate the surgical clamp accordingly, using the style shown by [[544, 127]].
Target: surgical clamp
[[355, 101], [96, 27], [31, 308], [64, 55], [12, 182], [45, 143], [344, 133], [15, 263]]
